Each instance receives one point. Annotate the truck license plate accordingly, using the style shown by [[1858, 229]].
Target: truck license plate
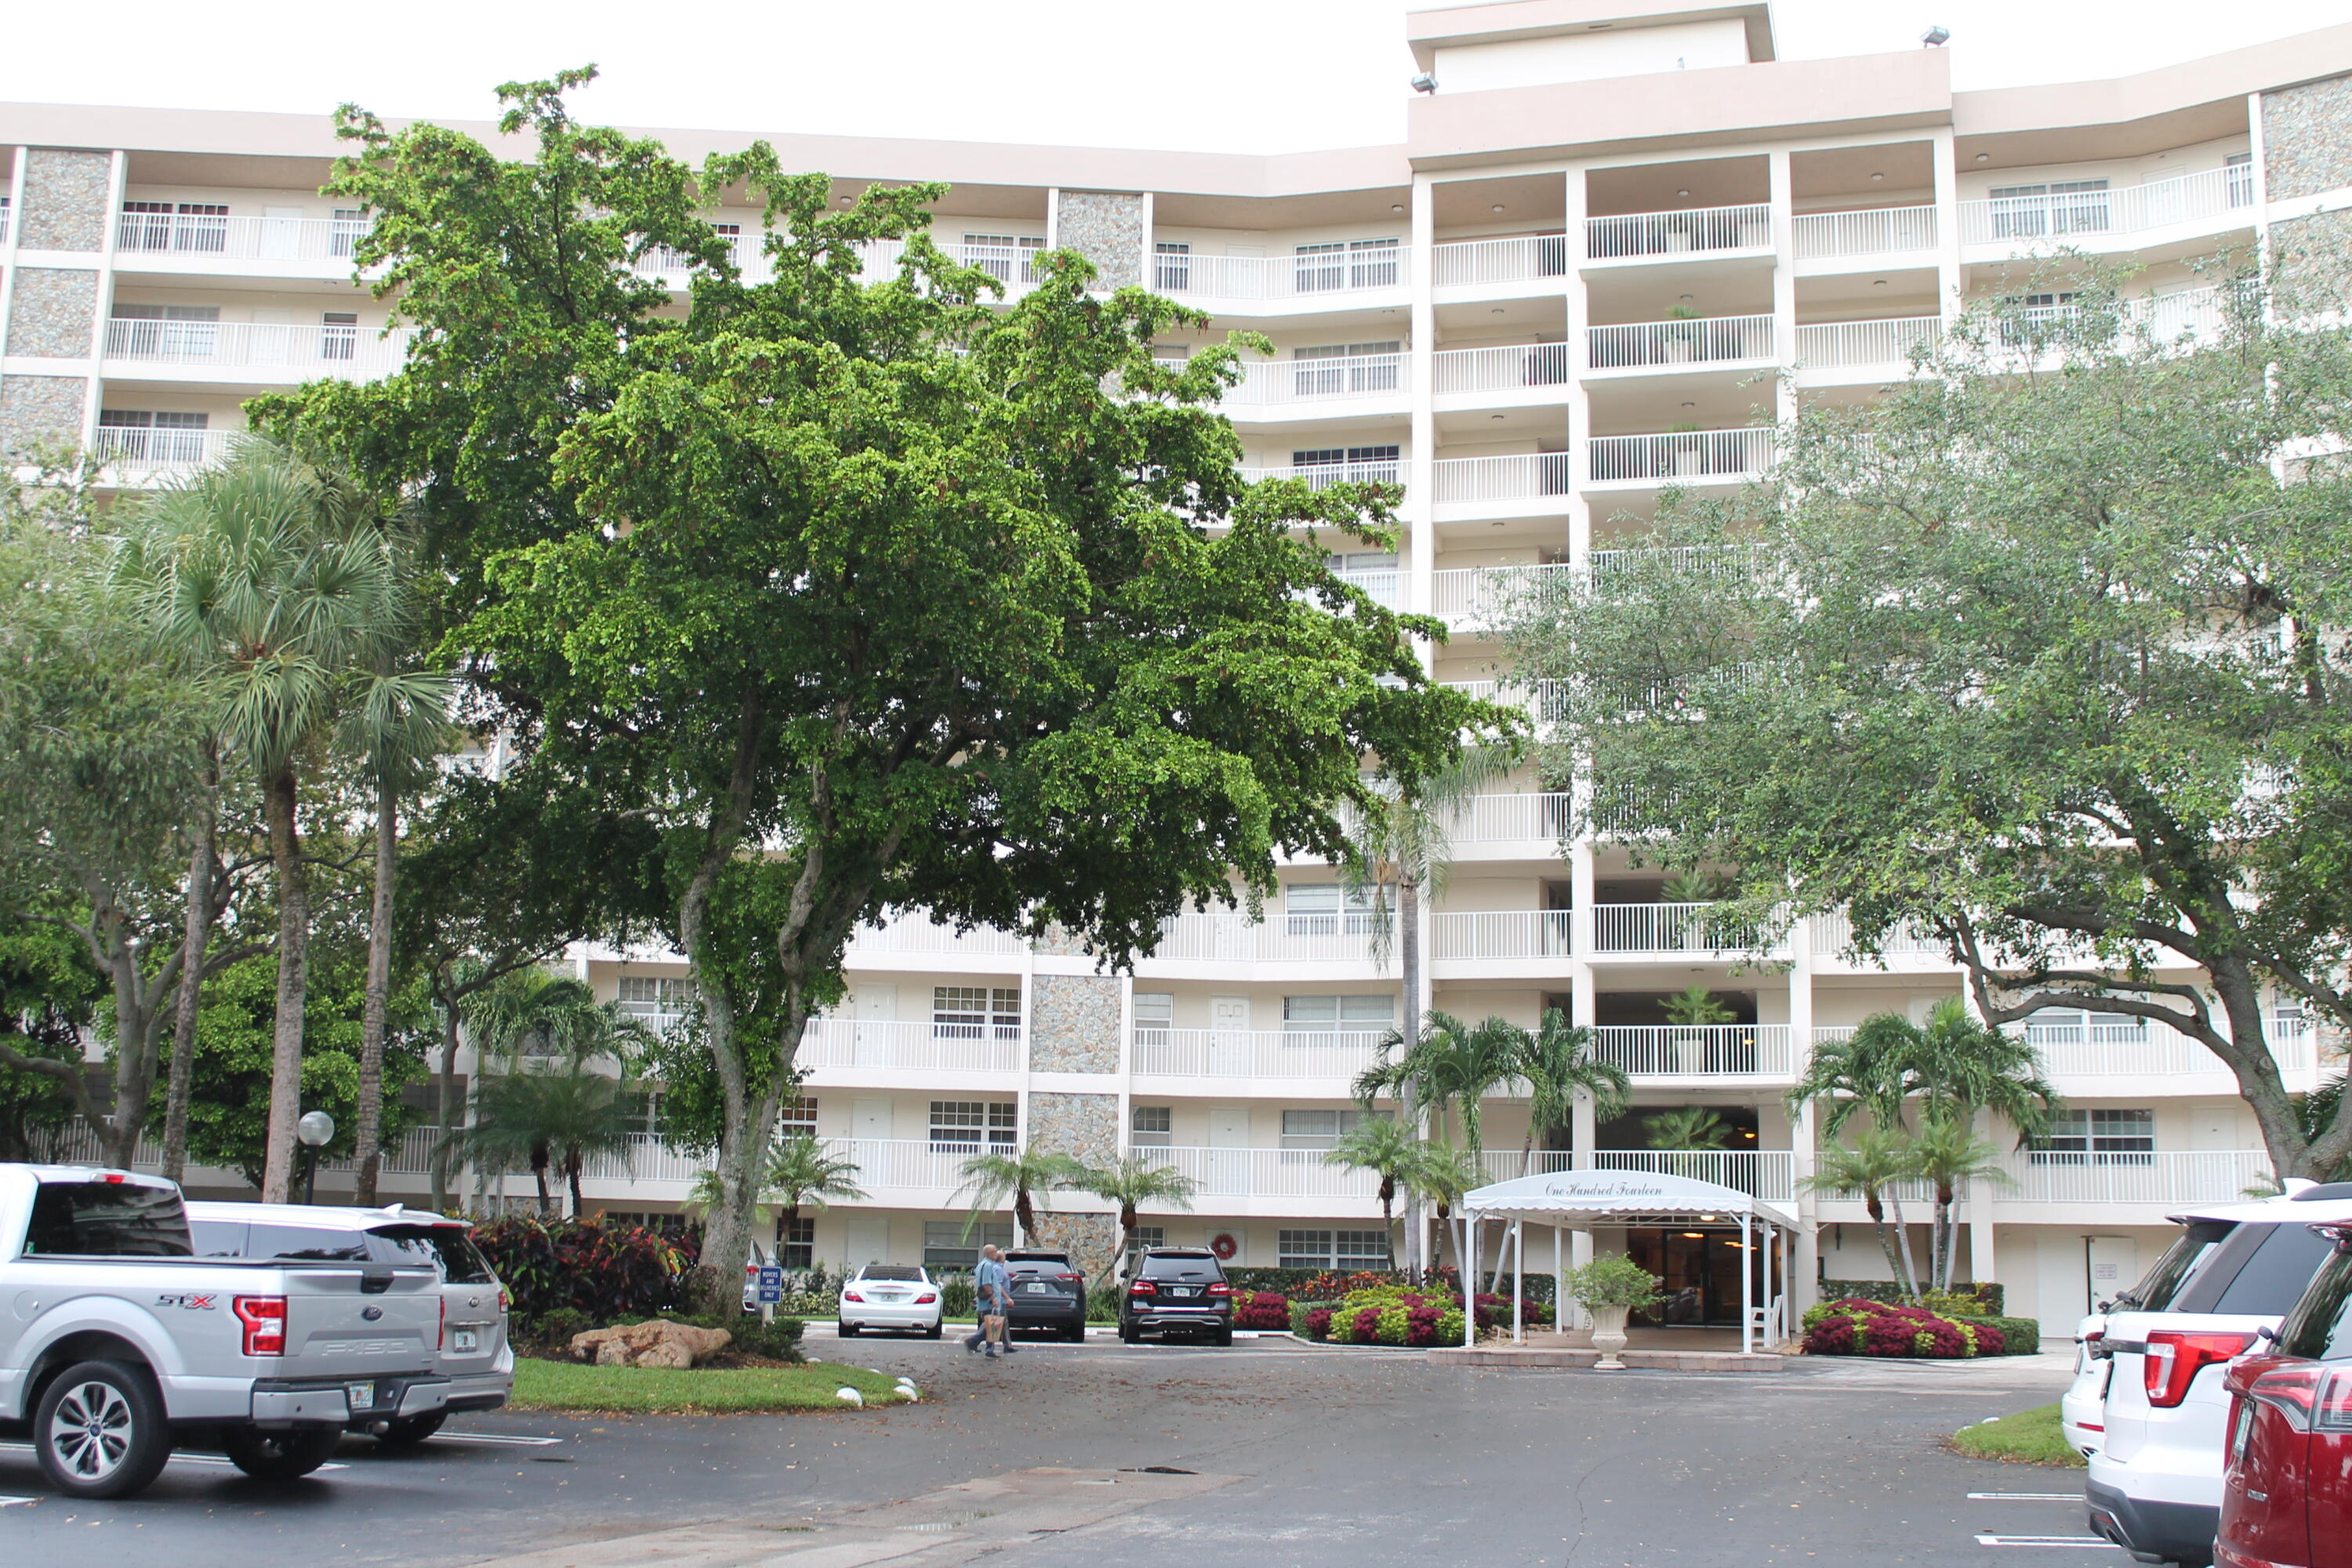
[[361, 1394], [465, 1341]]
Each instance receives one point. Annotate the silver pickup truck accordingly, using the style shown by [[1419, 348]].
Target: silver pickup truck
[[122, 1344]]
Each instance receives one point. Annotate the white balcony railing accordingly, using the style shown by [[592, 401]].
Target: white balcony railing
[[1671, 928], [1323, 476], [162, 447], [1500, 934], [1541, 700], [2214, 198], [1281, 938], [2168, 1176], [1385, 588], [2071, 1047], [1276, 382], [1680, 455], [1874, 231], [1696, 231], [1829, 344], [1670, 343], [1511, 369], [1767, 1174], [1522, 477], [1513, 818], [1333, 271], [1253, 1053], [1702, 1050], [212, 234], [1265, 1174], [1833, 940], [1489, 596], [297, 350], [1729, 562], [1468, 263], [918, 933], [910, 1045]]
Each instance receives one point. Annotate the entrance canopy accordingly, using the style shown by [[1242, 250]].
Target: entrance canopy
[[1579, 1200]]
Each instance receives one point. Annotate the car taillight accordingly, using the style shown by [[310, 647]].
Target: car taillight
[[1066, 1274], [2308, 1395], [441, 1333], [925, 1300], [2173, 1360], [506, 1302], [1142, 1287], [264, 1318], [1221, 1289], [853, 1296]]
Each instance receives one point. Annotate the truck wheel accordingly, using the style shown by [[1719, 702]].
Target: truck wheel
[[410, 1430], [100, 1430], [280, 1456], [1129, 1334]]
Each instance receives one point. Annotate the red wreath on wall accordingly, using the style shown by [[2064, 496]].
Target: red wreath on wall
[[1224, 1246]]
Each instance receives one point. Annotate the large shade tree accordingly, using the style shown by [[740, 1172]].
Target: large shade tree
[[2043, 653], [866, 590]]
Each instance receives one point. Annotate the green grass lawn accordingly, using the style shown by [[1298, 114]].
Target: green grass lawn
[[2029, 1437], [566, 1385]]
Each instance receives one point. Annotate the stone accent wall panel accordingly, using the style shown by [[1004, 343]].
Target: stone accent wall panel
[[65, 199], [2307, 138], [2314, 256], [1090, 1239], [50, 316], [1085, 1125], [1107, 228], [1073, 1024], [40, 411]]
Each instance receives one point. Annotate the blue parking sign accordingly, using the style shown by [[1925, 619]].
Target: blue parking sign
[[772, 1283]]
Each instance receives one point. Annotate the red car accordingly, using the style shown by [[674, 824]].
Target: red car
[[2286, 1501]]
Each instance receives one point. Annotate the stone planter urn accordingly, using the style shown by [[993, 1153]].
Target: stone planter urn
[[1609, 1336]]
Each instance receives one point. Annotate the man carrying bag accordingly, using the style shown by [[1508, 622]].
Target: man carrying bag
[[991, 1297]]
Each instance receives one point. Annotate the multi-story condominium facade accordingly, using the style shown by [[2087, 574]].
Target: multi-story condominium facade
[[1613, 249]]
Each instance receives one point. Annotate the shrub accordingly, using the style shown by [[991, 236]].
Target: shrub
[[1261, 1310], [956, 1296], [1987, 1297], [555, 1330], [606, 1272], [1855, 1326], [1614, 1280], [779, 1340], [2019, 1336]]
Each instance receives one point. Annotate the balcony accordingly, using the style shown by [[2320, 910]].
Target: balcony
[[1532, 818], [1487, 483], [1323, 275], [2165, 1178], [1734, 563], [1881, 347], [1767, 1174], [1284, 939], [1678, 236], [1675, 345], [1323, 476], [1876, 231], [1501, 935], [916, 933], [146, 454], [1265, 1174], [1384, 587], [1247, 1053], [1721, 456], [1831, 935], [261, 350], [1519, 373], [196, 242], [1704, 930], [2213, 200], [910, 1045], [1477, 263], [1491, 595], [1309, 383], [1704, 1050]]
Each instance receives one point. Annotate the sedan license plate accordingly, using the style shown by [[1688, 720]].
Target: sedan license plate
[[464, 1341], [362, 1395]]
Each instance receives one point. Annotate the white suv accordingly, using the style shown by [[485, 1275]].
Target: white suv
[[2080, 1413], [2155, 1485]]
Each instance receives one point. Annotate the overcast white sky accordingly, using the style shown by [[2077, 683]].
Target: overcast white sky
[[1207, 75]]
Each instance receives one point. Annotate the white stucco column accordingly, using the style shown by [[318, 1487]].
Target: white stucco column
[[1805, 1266], [1420, 510]]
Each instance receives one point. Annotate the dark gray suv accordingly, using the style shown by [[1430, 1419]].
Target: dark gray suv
[[1178, 1290]]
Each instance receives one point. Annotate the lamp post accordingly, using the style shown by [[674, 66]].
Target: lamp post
[[315, 1130]]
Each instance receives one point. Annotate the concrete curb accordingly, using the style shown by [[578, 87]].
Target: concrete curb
[[1644, 1359]]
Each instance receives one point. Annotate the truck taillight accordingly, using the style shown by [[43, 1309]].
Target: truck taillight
[[2173, 1360], [264, 1318], [441, 1334]]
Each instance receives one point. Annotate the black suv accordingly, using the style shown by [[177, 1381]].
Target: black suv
[[1048, 1292], [1181, 1290]]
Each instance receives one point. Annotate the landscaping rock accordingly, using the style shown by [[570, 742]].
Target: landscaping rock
[[655, 1342]]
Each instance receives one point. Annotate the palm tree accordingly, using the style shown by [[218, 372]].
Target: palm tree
[[1556, 1062], [1451, 1063], [544, 1116], [1872, 1166], [1000, 1178], [1401, 845], [1948, 1155], [1962, 1065], [1386, 1147], [540, 1012], [1444, 1174], [1131, 1181], [1691, 1129], [800, 1174], [1870, 1069], [278, 583]]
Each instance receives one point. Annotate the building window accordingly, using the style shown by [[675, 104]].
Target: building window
[[1340, 368], [1155, 1014], [2099, 1138], [1355, 264], [1337, 1014], [1348, 1249], [796, 1242], [1151, 1126], [1302, 1250], [657, 1000], [798, 1119], [2075, 1026], [975, 1012], [1354, 465], [1145, 1238], [1171, 266], [345, 230], [1317, 1129], [1328, 909], [339, 334], [945, 1244], [161, 226], [967, 1126], [1008, 258], [1372, 263], [2238, 176], [2063, 207]]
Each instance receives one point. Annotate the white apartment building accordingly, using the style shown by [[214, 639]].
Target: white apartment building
[[1613, 246]]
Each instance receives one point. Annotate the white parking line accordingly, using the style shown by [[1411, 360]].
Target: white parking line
[[176, 1458], [2025, 1497], [17, 1502], [2090, 1542], [496, 1437]]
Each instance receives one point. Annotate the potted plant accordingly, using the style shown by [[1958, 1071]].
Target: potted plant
[[1682, 342], [1692, 1011], [1609, 1288]]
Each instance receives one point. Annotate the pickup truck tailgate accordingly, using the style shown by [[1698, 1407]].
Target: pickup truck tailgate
[[343, 1320]]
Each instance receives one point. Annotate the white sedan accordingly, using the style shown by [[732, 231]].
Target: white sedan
[[891, 1296]]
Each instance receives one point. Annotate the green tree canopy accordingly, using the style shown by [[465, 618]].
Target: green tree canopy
[[2041, 652]]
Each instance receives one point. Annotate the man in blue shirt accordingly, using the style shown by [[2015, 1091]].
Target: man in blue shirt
[[991, 1297]]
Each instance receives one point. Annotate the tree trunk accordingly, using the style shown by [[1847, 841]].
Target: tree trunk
[[1908, 1276], [571, 1165], [1877, 1212], [538, 1174], [370, 1135], [1409, 1100], [293, 960], [197, 936], [446, 1113], [1025, 1215]]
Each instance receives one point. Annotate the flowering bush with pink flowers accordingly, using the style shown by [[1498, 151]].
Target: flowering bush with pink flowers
[[1857, 1326], [1261, 1310]]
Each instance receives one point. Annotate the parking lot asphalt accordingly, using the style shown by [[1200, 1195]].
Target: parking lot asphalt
[[1301, 1454]]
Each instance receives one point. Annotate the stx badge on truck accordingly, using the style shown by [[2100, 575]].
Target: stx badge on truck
[[189, 1303]]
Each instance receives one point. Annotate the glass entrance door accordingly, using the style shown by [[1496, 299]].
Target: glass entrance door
[[1701, 1271]]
